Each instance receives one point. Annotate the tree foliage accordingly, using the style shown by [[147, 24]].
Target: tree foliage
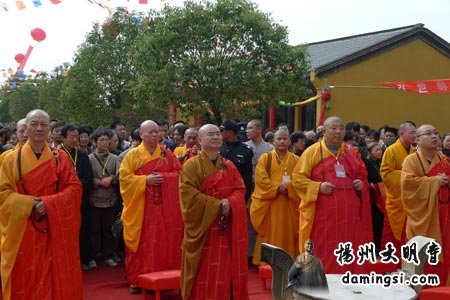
[[225, 57], [22, 101], [97, 87]]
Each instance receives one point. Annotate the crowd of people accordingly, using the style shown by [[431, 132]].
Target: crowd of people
[[161, 197]]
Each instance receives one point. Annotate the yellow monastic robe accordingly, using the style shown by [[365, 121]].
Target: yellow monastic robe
[[132, 188], [420, 197], [275, 215], [3, 155], [179, 150], [390, 170], [426, 204]]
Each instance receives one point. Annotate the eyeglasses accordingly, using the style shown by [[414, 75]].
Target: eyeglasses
[[429, 133]]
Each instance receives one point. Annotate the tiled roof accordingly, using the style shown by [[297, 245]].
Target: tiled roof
[[327, 55]]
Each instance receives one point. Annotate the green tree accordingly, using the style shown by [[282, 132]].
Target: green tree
[[4, 109], [225, 57], [96, 89], [50, 90], [22, 101]]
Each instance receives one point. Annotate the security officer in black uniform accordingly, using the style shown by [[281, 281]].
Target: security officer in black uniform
[[239, 153]]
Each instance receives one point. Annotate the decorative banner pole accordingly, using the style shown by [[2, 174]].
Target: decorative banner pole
[[38, 35]]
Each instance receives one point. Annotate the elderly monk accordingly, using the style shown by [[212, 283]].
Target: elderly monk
[[274, 206], [21, 136], [214, 262], [425, 196], [335, 203], [151, 216], [40, 198], [190, 147], [391, 167]]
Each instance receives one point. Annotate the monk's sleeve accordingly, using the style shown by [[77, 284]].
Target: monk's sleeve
[[390, 176], [132, 189], [419, 194], [292, 194], [15, 209], [198, 209], [306, 188], [265, 189], [265, 192]]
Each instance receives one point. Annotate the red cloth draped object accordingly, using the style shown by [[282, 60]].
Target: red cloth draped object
[[428, 87]]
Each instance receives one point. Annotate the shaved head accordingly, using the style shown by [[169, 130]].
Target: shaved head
[[332, 120], [206, 128], [256, 123], [281, 132], [423, 128], [37, 112], [147, 124]]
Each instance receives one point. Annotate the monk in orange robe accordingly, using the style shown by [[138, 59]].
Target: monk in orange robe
[[274, 207], [335, 202], [214, 262], [425, 197], [151, 216], [40, 198], [190, 147], [390, 170]]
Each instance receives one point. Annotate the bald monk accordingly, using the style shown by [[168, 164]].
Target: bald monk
[[40, 198], [214, 262], [190, 147], [425, 196], [274, 207], [151, 215], [335, 202], [390, 170]]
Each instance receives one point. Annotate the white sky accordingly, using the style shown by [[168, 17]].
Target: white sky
[[308, 21]]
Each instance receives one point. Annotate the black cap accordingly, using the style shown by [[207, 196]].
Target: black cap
[[229, 125]]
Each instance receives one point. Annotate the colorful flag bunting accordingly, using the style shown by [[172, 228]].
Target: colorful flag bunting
[[37, 3], [20, 5], [4, 6]]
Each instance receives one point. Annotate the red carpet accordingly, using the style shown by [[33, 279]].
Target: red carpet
[[106, 283]]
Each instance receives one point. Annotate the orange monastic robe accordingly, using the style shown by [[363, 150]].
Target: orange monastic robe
[[343, 216], [390, 170], [214, 262], [35, 264], [427, 205], [275, 215], [151, 216], [179, 151]]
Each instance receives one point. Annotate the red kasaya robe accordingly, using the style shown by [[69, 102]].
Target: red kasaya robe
[[35, 264], [161, 230], [214, 262], [343, 216]]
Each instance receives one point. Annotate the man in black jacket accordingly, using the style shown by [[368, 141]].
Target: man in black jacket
[[239, 153], [81, 163]]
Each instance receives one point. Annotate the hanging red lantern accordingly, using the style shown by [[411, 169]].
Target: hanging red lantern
[[19, 57], [38, 34]]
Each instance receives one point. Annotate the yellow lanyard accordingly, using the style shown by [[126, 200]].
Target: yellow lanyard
[[281, 161], [102, 165], [74, 161]]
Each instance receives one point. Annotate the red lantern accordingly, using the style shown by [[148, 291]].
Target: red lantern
[[326, 95], [38, 34], [19, 57]]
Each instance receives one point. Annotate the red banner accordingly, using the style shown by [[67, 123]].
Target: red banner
[[428, 87]]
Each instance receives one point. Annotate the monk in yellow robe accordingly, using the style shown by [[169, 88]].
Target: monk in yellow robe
[[190, 147], [40, 198], [151, 216], [214, 263], [274, 207], [425, 197], [335, 202], [390, 170]]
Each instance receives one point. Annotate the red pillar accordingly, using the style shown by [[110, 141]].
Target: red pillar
[[272, 117], [199, 120], [172, 113]]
